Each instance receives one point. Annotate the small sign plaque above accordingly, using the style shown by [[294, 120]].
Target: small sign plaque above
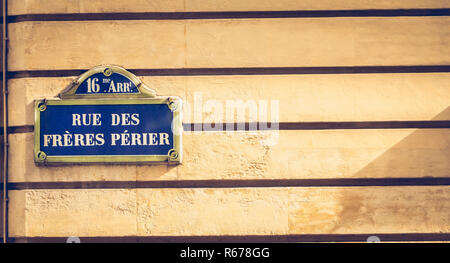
[[108, 115]]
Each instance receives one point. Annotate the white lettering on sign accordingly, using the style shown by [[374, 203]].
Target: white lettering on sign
[[126, 138], [117, 139], [119, 87], [125, 119], [114, 87], [86, 119], [69, 139], [92, 85]]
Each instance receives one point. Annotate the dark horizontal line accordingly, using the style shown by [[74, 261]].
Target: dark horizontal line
[[19, 129], [245, 239], [244, 71], [316, 125], [425, 181], [286, 126], [228, 15]]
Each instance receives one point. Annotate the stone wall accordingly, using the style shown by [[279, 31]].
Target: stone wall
[[360, 151]]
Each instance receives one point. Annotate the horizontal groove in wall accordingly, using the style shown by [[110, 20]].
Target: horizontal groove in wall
[[19, 129], [286, 126], [244, 71], [228, 15], [246, 239], [343, 182]]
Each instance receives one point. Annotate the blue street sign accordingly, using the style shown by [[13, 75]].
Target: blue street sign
[[116, 129]]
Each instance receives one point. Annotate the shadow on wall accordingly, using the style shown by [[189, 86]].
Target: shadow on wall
[[1, 184], [423, 153], [1, 156], [1, 131], [420, 154], [1, 215]]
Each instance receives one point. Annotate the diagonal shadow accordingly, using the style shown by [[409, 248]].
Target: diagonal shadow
[[423, 153], [420, 154]]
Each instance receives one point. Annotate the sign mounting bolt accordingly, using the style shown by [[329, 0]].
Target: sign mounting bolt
[[42, 105], [172, 104], [173, 155], [107, 72], [41, 156]]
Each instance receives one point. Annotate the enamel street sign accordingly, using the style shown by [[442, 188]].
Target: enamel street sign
[[108, 115]]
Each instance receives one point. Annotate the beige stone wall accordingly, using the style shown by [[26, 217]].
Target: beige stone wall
[[288, 42], [256, 156], [98, 6], [394, 153], [309, 98], [252, 211]]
